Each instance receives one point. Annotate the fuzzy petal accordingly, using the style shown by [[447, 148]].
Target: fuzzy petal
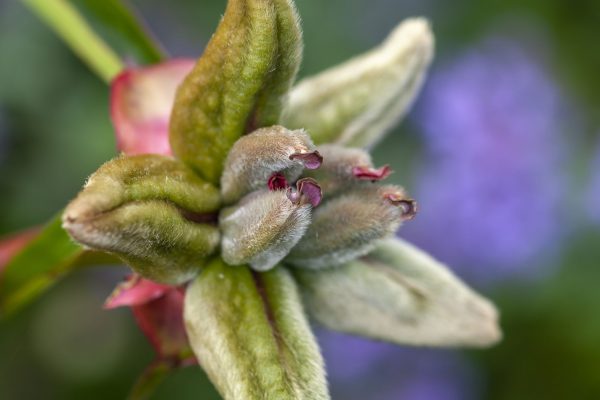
[[251, 335], [356, 103], [141, 103], [400, 294]]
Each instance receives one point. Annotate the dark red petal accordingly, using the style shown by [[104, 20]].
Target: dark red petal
[[141, 102], [312, 160], [307, 191], [372, 174], [135, 291], [277, 181]]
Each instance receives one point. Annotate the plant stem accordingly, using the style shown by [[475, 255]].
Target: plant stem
[[64, 19]]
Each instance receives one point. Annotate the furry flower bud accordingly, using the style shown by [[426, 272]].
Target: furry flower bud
[[350, 225], [150, 210], [256, 157], [264, 226]]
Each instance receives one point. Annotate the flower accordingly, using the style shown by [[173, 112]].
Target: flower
[[496, 159], [261, 204]]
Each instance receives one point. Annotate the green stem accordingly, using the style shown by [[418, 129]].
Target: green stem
[[68, 23]]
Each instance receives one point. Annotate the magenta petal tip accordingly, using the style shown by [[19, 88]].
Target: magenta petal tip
[[135, 291], [372, 174]]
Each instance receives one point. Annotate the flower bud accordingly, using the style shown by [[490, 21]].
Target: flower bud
[[345, 168], [262, 229], [152, 212], [255, 158], [350, 225]]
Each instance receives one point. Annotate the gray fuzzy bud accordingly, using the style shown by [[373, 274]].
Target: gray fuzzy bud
[[256, 157], [350, 225], [263, 227]]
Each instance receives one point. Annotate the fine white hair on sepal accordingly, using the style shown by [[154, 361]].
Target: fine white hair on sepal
[[350, 225], [254, 159], [357, 102], [262, 229], [400, 294]]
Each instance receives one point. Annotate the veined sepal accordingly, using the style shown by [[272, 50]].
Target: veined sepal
[[357, 102], [251, 335], [151, 211], [399, 294], [238, 84]]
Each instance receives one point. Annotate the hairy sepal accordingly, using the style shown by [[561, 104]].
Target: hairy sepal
[[251, 334], [238, 83], [356, 103], [151, 211], [399, 294]]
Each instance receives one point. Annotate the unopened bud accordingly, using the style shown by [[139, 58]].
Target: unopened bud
[[256, 157], [262, 229], [350, 225]]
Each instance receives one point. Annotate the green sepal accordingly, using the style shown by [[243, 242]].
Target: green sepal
[[399, 294], [357, 102], [152, 211], [237, 84], [250, 334]]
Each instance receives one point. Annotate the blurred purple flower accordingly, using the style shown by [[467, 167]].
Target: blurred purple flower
[[593, 195], [388, 372], [491, 188]]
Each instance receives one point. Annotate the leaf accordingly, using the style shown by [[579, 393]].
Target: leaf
[[116, 22], [250, 333], [238, 83], [64, 19], [399, 294], [49, 256], [357, 102]]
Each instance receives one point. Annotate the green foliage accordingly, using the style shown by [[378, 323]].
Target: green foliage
[[48, 257]]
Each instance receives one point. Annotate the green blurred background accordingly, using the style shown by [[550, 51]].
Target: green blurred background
[[55, 130]]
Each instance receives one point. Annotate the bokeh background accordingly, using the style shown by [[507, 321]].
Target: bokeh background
[[502, 150]]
